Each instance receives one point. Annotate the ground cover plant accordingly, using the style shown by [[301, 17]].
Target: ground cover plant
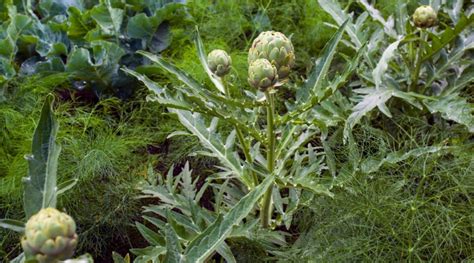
[[88, 39], [296, 131]]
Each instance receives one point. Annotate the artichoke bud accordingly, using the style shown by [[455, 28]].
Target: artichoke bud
[[219, 62], [424, 17], [50, 236], [262, 74], [276, 48]]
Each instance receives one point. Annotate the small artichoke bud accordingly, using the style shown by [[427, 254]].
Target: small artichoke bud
[[219, 62], [50, 236], [424, 16], [276, 48], [262, 74]]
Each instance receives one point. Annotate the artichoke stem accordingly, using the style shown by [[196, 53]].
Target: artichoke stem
[[266, 212], [418, 61], [240, 136]]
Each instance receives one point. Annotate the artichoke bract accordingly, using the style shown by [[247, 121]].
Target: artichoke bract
[[424, 16], [262, 74], [276, 48], [50, 236], [219, 62]]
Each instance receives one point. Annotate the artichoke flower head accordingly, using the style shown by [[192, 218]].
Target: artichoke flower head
[[424, 17], [262, 74], [219, 62], [276, 48], [50, 236]]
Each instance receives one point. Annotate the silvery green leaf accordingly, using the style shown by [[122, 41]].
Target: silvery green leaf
[[12, 224], [207, 242], [333, 8], [226, 253], [173, 246], [40, 185], [372, 165], [313, 86], [203, 58], [453, 107], [382, 65], [377, 16], [368, 103], [210, 140]]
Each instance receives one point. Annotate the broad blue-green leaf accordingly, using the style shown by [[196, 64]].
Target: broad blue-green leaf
[[12, 224], [6, 69], [4, 9], [49, 8], [40, 185], [19, 25], [101, 67], [7, 48], [79, 23], [453, 107], [51, 65], [109, 18], [154, 30], [207, 242]]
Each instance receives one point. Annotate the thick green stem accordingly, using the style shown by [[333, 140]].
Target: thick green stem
[[266, 212], [240, 136], [418, 62]]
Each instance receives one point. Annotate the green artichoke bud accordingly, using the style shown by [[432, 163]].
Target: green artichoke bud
[[262, 74], [50, 236], [276, 48], [219, 62], [424, 16]]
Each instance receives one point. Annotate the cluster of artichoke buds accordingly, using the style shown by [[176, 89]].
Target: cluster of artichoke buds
[[50, 236], [270, 59], [270, 48], [219, 62], [424, 17]]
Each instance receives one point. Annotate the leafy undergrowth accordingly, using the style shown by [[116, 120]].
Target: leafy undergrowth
[[106, 146], [419, 209]]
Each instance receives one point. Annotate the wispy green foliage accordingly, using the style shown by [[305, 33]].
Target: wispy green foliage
[[415, 207]]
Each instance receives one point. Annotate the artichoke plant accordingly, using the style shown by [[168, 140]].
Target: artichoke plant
[[276, 48], [424, 17], [262, 74], [219, 62], [50, 236]]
